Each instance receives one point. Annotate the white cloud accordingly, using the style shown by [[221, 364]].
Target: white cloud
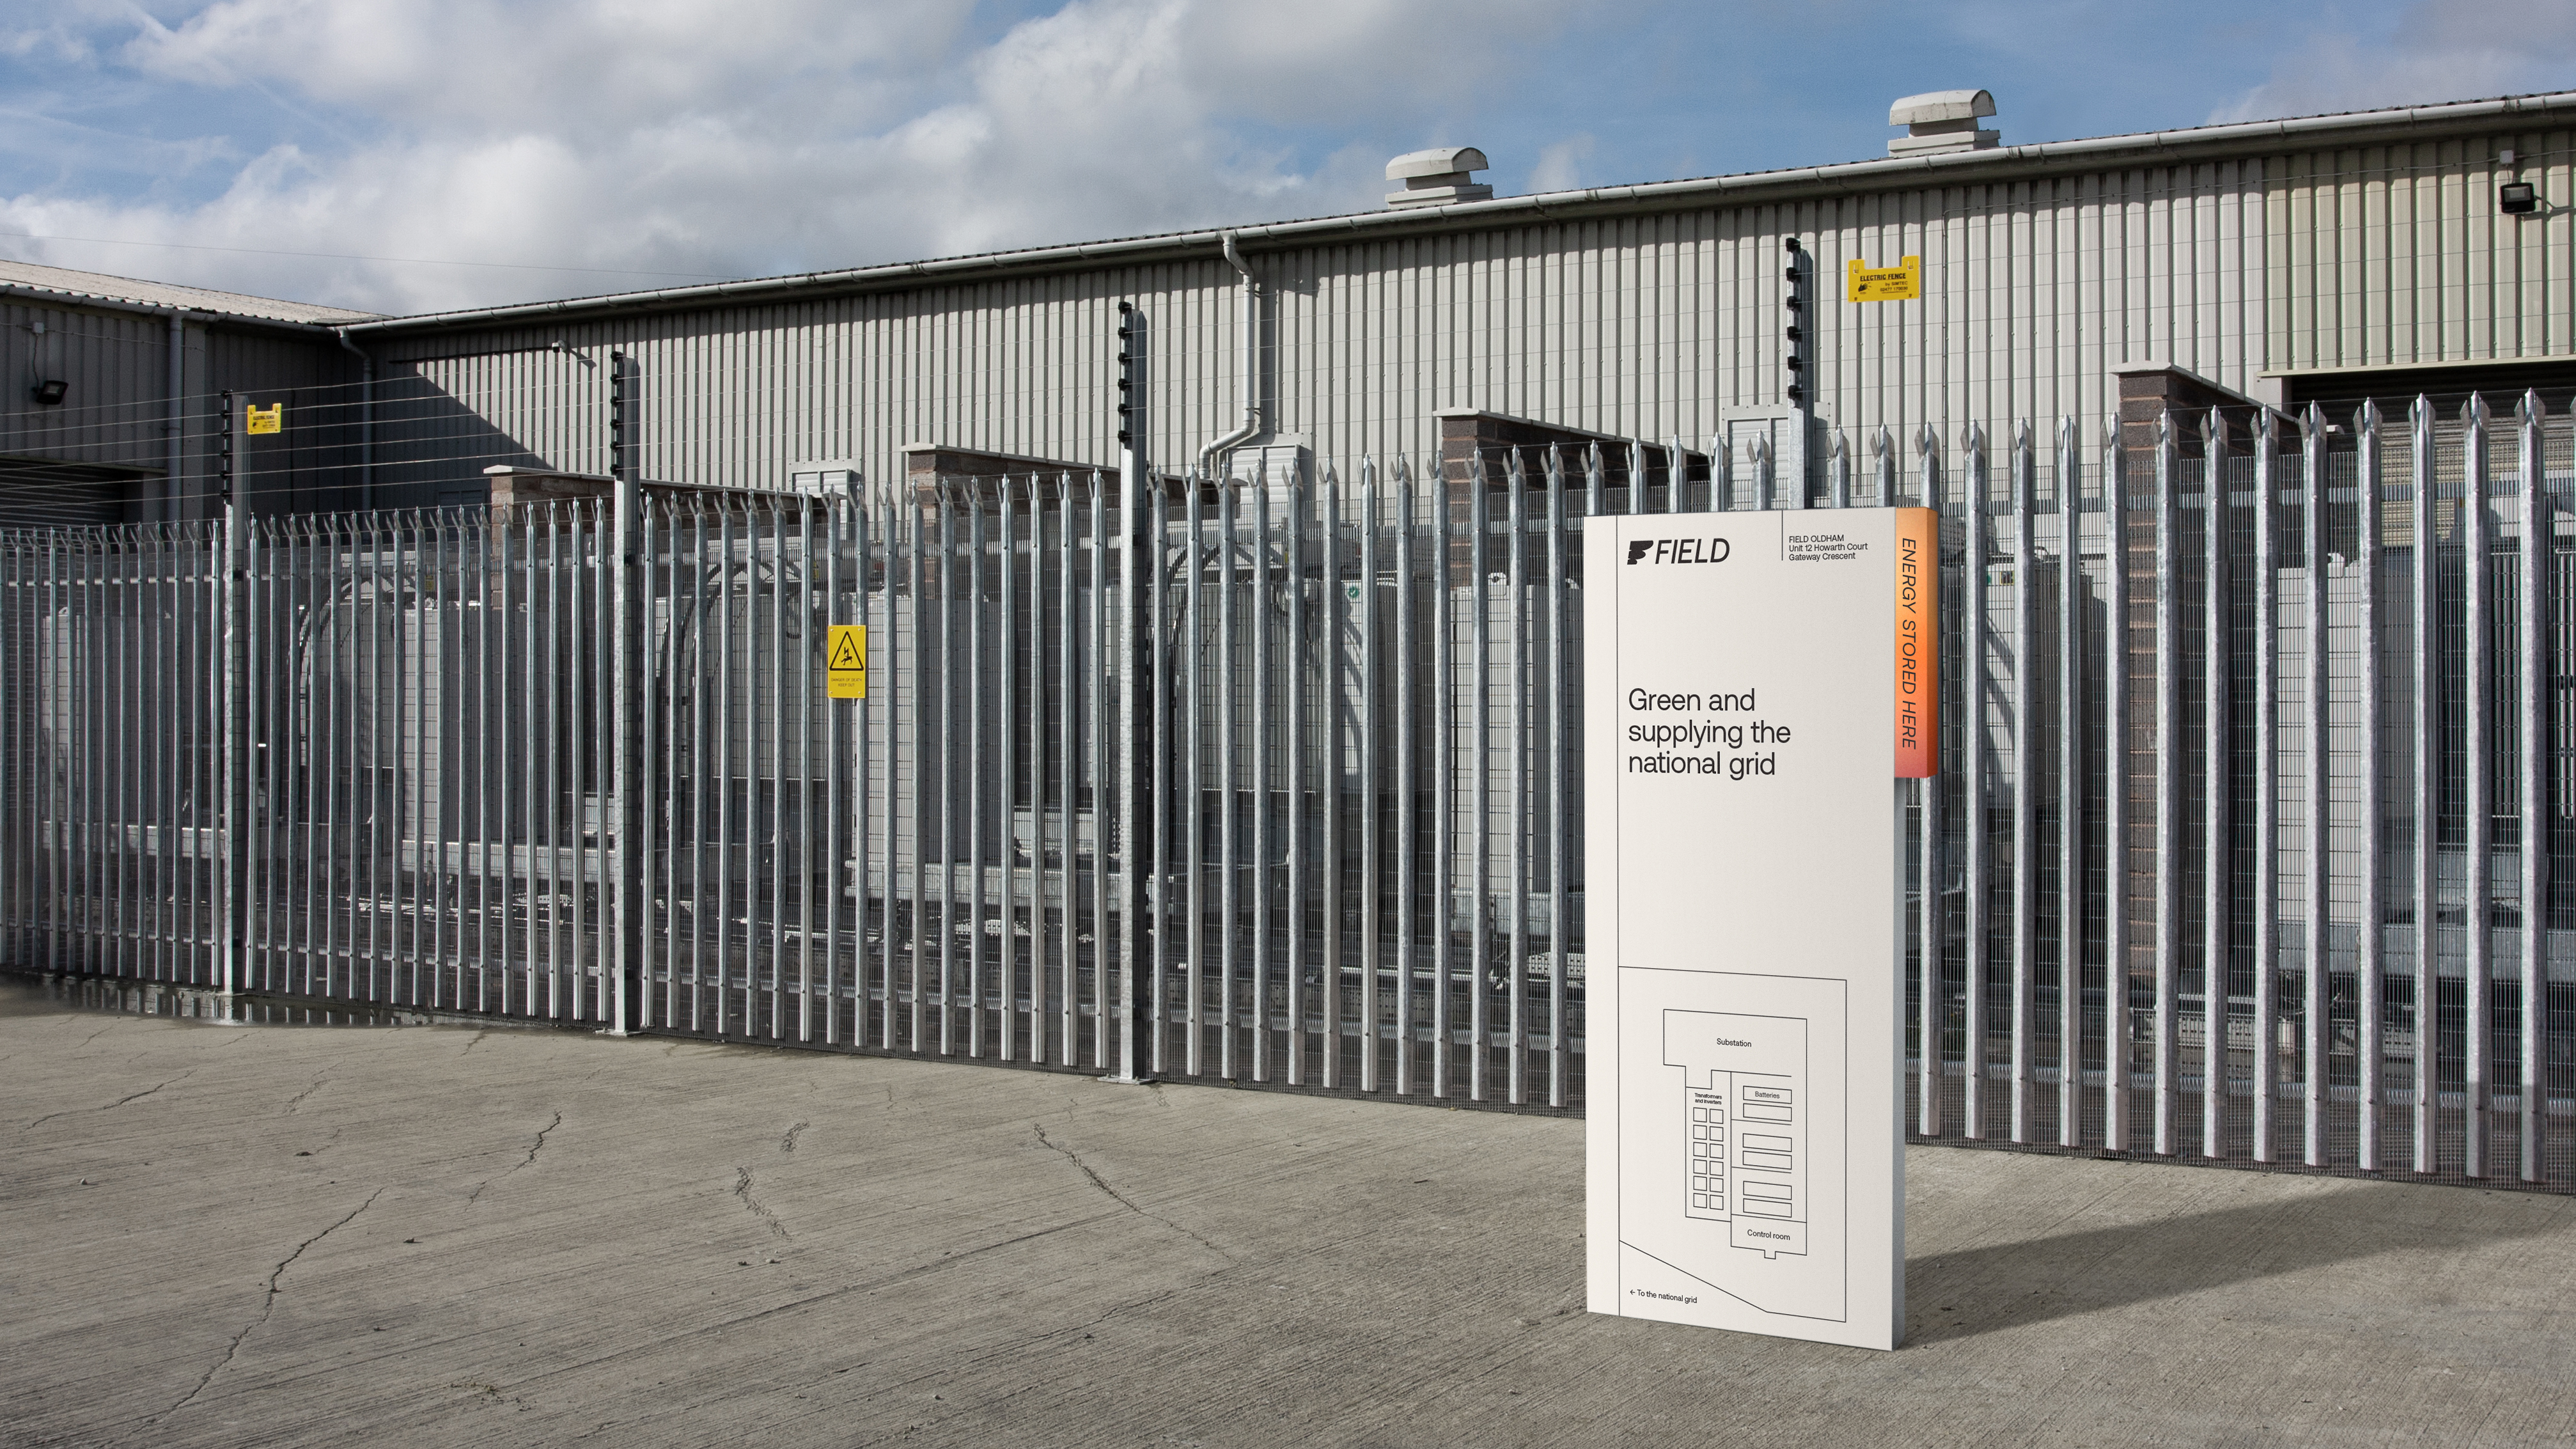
[[699, 136], [1560, 166], [60, 39], [2438, 50]]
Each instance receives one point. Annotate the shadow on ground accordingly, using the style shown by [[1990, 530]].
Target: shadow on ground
[[2012, 1284]]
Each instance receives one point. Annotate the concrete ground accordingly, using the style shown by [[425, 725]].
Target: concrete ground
[[228, 1235]]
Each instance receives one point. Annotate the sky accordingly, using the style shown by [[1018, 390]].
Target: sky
[[407, 156]]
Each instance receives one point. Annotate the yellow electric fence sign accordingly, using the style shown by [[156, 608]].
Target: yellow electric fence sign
[[845, 664], [1900, 283], [270, 419]]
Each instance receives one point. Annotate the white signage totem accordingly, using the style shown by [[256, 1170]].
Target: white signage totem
[[1756, 683]]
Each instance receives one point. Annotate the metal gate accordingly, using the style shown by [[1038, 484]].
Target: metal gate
[[1275, 779]]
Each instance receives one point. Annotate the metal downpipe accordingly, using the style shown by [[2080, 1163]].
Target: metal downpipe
[[366, 419], [175, 426], [1210, 455]]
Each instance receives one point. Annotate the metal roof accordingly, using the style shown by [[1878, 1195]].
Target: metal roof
[[72, 286], [1845, 179]]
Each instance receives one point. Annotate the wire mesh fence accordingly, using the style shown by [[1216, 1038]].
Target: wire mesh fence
[[2252, 841]]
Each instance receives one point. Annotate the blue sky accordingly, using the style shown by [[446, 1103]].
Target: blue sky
[[582, 146]]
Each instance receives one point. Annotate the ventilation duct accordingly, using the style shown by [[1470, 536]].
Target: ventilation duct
[[1437, 177], [1939, 121]]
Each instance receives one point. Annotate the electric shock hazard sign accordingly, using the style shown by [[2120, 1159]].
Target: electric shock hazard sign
[[845, 663], [1900, 283]]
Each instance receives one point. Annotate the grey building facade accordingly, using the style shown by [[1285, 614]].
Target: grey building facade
[[2276, 263], [112, 381]]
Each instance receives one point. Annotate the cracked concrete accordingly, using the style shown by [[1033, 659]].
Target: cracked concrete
[[1121, 1198], [993, 1256], [768, 1219], [298, 1099], [758, 1209], [110, 1106], [268, 1300], [539, 1145]]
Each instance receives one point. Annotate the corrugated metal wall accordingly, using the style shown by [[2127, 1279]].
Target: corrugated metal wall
[[311, 468], [117, 365], [2396, 255], [1645, 325], [1650, 326], [116, 412], [442, 419]]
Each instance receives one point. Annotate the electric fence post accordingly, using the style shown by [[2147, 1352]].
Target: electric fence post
[[625, 876], [1137, 898]]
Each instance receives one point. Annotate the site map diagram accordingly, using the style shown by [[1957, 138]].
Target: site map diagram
[[1735, 1178]]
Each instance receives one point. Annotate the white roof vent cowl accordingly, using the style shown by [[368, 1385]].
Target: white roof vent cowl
[[1939, 121], [1437, 177]]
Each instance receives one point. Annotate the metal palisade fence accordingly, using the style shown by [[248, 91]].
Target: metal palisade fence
[[2255, 839]]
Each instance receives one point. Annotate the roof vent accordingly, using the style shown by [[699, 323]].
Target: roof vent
[[1437, 177], [1938, 121]]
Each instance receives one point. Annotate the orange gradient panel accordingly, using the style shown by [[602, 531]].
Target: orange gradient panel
[[1918, 643]]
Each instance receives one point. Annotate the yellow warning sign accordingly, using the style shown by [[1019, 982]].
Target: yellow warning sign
[[269, 419], [845, 664], [1900, 283]]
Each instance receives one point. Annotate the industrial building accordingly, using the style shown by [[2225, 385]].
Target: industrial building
[[2379, 253], [113, 387]]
